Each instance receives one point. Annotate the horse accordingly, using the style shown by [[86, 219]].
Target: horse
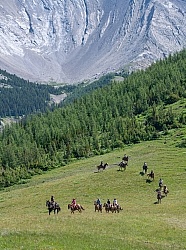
[[107, 207], [151, 175], [159, 197], [102, 166], [165, 190], [115, 208], [97, 207], [53, 206], [77, 207], [123, 165]]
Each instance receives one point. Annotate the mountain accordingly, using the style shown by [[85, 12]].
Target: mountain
[[71, 41]]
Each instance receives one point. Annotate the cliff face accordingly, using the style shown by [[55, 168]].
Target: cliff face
[[73, 40]]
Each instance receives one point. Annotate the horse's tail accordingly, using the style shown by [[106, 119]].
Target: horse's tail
[[82, 207]]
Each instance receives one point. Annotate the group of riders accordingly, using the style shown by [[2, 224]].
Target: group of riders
[[162, 188], [145, 168], [108, 203], [53, 202]]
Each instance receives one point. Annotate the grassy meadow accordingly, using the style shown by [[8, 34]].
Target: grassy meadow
[[141, 225]]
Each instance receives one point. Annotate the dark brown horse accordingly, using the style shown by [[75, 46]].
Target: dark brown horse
[[77, 207], [102, 166], [122, 165], [107, 207], [159, 197], [97, 207], [53, 206]]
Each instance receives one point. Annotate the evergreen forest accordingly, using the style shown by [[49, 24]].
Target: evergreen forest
[[109, 117], [19, 97]]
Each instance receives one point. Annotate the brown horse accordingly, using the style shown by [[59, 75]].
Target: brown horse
[[165, 190], [77, 207], [53, 206], [115, 208], [122, 165], [107, 207], [159, 197], [102, 166], [97, 207]]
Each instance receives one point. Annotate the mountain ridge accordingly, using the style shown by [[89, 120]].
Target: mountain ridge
[[72, 41]]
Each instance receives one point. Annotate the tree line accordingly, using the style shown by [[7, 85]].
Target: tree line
[[19, 97], [109, 117]]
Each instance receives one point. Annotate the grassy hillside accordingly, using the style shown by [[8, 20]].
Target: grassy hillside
[[130, 111], [142, 225]]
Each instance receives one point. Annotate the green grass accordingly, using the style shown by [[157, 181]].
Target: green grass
[[142, 225]]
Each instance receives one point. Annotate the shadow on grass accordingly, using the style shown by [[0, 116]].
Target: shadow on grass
[[148, 181], [141, 173]]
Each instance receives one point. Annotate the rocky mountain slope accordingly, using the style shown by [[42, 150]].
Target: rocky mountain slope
[[74, 40]]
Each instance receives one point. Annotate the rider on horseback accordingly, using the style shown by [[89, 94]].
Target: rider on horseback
[[73, 203], [145, 167], [160, 182], [108, 202], [52, 201], [98, 202], [159, 195], [125, 157], [165, 190], [115, 202]]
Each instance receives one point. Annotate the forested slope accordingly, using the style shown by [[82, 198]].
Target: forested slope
[[19, 97], [110, 117]]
